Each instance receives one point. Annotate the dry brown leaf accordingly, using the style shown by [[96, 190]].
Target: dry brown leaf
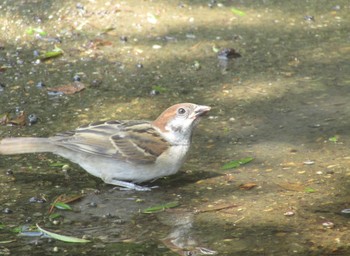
[[68, 88], [4, 119], [216, 207], [20, 119], [248, 186], [292, 186]]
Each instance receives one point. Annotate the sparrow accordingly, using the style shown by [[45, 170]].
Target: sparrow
[[122, 153]]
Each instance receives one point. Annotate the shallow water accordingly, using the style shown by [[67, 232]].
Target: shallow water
[[284, 103]]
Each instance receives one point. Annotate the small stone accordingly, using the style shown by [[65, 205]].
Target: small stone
[[76, 78], [9, 172], [37, 214], [119, 221], [32, 119], [79, 6], [96, 83], [228, 53], [108, 216], [92, 204], [40, 85], [156, 46], [36, 53], [56, 222], [2, 87], [309, 18], [328, 224], [154, 92], [289, 213], [123, 39], [65, 168], [37, 200], [7, 211], [309, 162], [329, 171], [346, 211]]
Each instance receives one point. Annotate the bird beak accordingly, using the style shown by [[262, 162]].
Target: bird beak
[[199, 111]]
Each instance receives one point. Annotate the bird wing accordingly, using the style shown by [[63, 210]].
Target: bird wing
[[131, 141]]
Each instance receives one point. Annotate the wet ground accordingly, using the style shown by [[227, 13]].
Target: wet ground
[[284, 102]]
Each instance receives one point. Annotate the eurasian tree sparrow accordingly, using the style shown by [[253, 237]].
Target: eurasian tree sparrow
[[122, 152]]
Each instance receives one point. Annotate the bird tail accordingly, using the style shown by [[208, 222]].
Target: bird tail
[[11, 146]]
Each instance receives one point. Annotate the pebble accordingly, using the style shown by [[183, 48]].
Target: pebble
[[228, 53], [40, 85], [76, 78], [36, 200], [92, 204], [156, 46], [96, 83], [36, 53], [9, 172], [7, 211], [328, 224], [79, 6], [308, 162], [32, 119], [65, 168], [346, 211], [289, 213], [154, 92], [309, 18], [2, 87], [123, 39]]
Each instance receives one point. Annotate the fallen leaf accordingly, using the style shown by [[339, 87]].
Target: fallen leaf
[[217, 207], [20, 119], [68, 88], [69, 239], [237, 163], [4, 119], [160, 208], [237, 11], [56, 52], [248, 186], [96, 43], [291, 186]]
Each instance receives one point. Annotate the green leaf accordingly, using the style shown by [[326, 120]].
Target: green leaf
[[57, 164], [62, 206], [16, 230], [51, 54], [31, 31], [69, 239], [237, 163], [7, 241], [334, 138], [237, 12], [215, 49], [196, 65], [159, 88], [160, 208], [54, 216], [310, 190]]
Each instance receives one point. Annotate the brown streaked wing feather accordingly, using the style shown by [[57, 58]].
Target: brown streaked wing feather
[[93, 139], [141, 145]]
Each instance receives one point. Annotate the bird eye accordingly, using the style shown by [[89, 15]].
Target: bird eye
[[181, 111]]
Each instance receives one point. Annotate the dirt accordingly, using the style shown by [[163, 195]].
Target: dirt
[[284, 103]]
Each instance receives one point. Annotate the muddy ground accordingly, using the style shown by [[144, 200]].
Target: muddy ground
[[284, 102]]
